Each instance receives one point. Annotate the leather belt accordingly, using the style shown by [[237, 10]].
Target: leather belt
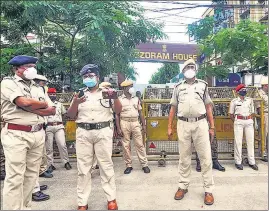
[[54, 123], [243, 117], [192, 119], [129, 119], [26, 128], [93, 126]]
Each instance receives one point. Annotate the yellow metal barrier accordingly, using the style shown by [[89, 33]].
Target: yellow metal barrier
[[156, 109]]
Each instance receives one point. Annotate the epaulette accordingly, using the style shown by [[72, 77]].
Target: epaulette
[[9, 78], [181, 82], [202, 81]]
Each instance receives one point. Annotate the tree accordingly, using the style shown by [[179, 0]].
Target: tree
[[246, 44], [165, 73], [72, 34]]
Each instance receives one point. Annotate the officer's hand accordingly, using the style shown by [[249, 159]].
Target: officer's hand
[[78, 100], [211, 134], [170, 133], [144, 129], [119, 132]]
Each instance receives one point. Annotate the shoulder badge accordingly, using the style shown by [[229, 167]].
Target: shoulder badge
[[202, 81]]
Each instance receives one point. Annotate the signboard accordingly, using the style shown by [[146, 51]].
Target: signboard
[[166, 52], [233, 80]]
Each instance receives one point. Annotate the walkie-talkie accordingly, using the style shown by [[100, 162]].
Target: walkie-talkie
[[81, 93]]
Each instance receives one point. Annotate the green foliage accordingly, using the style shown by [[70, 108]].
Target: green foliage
[[247, 44], [74, 33], [165, 73]]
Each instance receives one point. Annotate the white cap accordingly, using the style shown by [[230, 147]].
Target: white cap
[[41, 77]]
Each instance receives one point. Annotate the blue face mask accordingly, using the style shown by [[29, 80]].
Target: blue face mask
[[242, 93], [90, 82]]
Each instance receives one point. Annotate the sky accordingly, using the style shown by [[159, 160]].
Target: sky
[[172, 24]]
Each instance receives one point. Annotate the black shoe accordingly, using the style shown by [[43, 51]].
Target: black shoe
[[67, 166], [216, 165], [43, 187], [128, 170], [239, 166], [198, 166], [146, 170], [39, 196], [46, 175], [265, 159], [96, 167], [254, 167], [2, 175], [51, 169]]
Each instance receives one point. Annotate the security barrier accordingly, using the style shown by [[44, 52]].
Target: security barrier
[[156, 110]]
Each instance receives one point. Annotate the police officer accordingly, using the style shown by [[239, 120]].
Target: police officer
[[193, 104], [43, 172], [241, 113], [263, 92], [102, 85], [55, 129], [128, 125], [24, 105], [94, 136]]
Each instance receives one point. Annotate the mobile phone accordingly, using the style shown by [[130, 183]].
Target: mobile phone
[[111, 96], [81, 93]]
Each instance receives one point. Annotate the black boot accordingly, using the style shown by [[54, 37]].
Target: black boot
[[216, 165], [198, 166], [39, 196]]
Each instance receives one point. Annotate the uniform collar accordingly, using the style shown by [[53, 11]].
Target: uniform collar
[[195, 81], [18, 78], [245, 98], [124, 96]]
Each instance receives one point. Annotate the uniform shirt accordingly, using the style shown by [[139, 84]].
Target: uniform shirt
[[13, 87], [95, 109], [130, 107], [243, 107], [60, 110], [191, 99], [264, 96]]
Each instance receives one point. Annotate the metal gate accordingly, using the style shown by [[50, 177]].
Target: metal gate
[[156, 110]]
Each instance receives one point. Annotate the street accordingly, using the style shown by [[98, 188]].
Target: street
[[234, 189]]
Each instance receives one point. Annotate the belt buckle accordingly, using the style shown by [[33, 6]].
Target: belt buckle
[[54, 123], [191, 119], [98, 126], [35, 128]]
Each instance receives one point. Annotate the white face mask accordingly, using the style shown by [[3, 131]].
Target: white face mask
[[190, 74], [30, 73], [132, 91]]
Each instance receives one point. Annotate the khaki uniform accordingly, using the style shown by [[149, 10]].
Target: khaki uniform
[[95, 141], [130, 126], [57, 132], [190, 100], [243, 108], [23, 150], [264, 96]]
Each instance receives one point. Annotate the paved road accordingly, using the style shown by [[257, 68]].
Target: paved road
[[234, 189]]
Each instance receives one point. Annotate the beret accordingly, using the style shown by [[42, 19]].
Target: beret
[[126, 83], [41, 77], [90, 68], [104, 84], [51, 90], [186, 63], [264, 80], [240, 86], [22, 59]]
